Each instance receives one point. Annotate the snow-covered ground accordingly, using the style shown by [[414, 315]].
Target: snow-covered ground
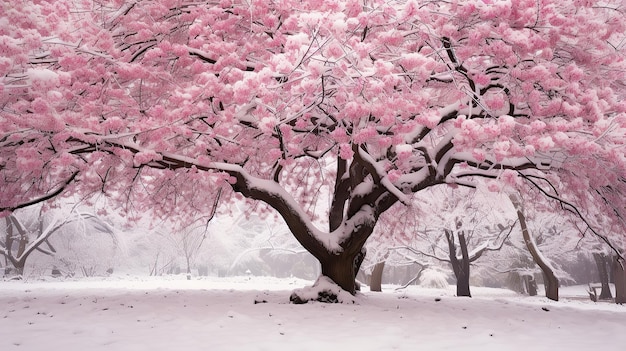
[[253, 313]]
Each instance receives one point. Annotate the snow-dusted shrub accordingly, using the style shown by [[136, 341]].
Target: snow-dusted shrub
[[432, 278]]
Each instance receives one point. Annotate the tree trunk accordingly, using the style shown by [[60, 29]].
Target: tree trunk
[[460, 268], [377, 277], [462, 282], [18, 268], [619, 274], [340, 269], [602, 263], [549, 279], [358, 261], [530, 284]]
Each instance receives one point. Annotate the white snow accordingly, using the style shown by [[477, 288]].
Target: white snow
[[404, 148], [129, 313], [42, 74]]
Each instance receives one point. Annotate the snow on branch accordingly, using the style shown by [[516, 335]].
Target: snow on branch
[[381, 176]]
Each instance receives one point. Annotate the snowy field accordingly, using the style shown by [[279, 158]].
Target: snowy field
[[253, 313]]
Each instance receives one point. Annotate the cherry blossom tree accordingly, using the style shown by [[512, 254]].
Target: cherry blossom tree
[[157, 104]]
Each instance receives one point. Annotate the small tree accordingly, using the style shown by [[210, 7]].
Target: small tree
[[457, 229], [29, 233], [193, 236]]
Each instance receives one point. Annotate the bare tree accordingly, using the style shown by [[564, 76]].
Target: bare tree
[[22, 239], [457, 228]]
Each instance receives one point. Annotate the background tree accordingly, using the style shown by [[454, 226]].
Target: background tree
[[158, 104], [453, 226], [93, 248], [620, 280], [30, 230], [550, 280], [604, 263], [192, 236]]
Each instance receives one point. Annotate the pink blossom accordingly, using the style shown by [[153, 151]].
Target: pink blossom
[[458, 122], [537, 127], [510, 178], [471, 129], [544, 143], [481, 79], [345, 151], [334, 51], [384, 142], [65, 159], [507, 124], [494, 186], [40, 106], [267, 124], [145, 157], [413, 60], [387, 118], [113, 124], [394, 175], [429, 118], [501, 149], [354, 111], [479, 155], [364, 135], [28, 160], [274, 154], [491, 130], [495, 101], [340, 135], [242, 91]]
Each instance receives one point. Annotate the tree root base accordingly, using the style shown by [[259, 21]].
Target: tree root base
[[323, 290]]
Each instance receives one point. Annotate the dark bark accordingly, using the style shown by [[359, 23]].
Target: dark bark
[[602, 262], [340, 268], [462, 283], [377, 277], [619, 274], [358, 261], [22, 240], [461, 268]]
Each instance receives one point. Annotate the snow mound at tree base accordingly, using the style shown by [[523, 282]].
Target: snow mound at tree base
[[323, 290]]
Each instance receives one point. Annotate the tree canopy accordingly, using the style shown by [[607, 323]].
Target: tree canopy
[[157, 104]]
